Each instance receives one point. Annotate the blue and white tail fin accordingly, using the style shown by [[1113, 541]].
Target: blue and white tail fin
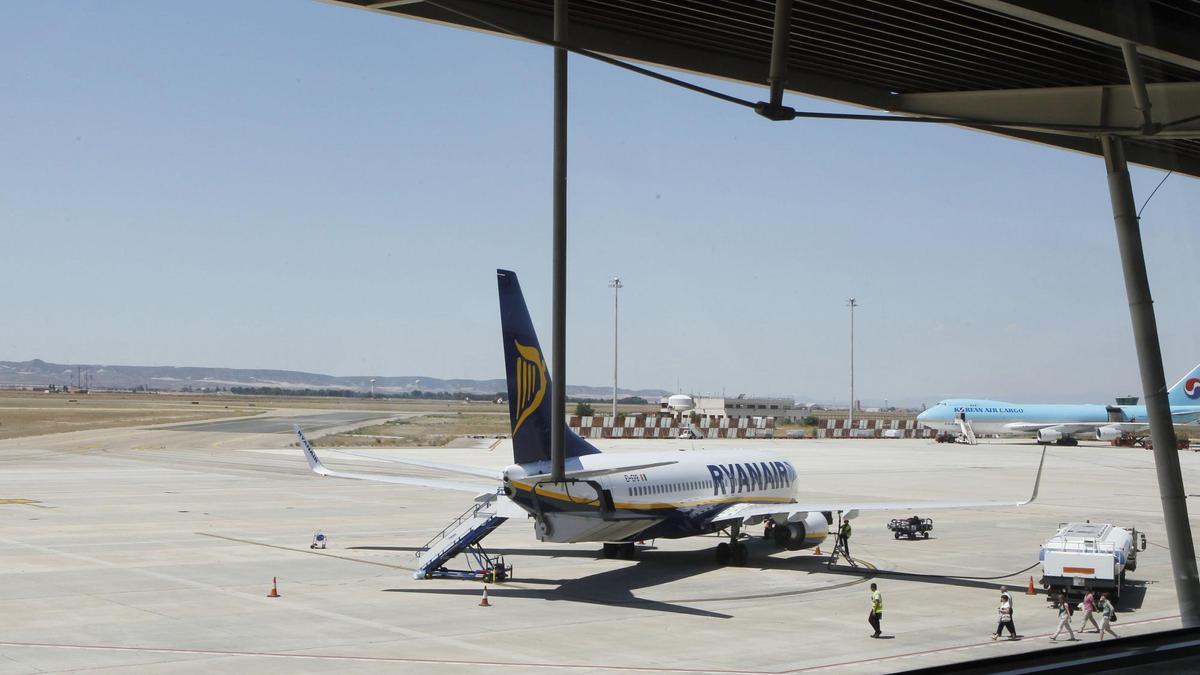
[[1187, 390], [528, 382]]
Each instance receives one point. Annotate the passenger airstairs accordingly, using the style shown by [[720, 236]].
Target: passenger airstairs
[[463, 535], [966, 431]]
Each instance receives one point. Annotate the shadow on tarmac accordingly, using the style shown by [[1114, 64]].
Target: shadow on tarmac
[[538, 552], [613, 587], [655, 567], [617, 586]]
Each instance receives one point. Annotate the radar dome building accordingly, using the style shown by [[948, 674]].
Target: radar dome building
[[679, 403]]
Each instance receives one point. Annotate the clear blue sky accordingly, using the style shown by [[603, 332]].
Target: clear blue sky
[[290, 184]]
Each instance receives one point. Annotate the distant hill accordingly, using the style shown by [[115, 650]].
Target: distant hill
[[170, 378]]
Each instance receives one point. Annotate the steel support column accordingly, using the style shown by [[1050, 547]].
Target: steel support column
[[777, 76], [558, 368], [1154, 387], [779, 48], [1137, 86]]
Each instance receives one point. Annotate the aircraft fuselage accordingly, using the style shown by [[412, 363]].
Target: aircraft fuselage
[[672, 501]]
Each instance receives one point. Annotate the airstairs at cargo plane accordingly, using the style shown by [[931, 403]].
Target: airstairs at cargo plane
[[463, 535], [966, 431]]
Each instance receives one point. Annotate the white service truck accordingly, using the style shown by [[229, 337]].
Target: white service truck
[[1084, 556]]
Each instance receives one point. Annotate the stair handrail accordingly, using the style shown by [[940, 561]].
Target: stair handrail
[[466, 515]]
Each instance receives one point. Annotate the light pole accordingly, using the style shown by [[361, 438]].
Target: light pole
[[616, 285], [851, 303]]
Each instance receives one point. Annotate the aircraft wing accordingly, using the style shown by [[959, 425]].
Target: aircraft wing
[[592, 473], [1064, 427], [318, 468], [1179, 418], [478, 472], [794, 511]]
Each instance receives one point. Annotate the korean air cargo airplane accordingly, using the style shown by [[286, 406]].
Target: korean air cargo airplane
[[619, 498], [1062, 424]]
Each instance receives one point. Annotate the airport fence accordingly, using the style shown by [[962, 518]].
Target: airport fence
[[671, 426], [873, 428]]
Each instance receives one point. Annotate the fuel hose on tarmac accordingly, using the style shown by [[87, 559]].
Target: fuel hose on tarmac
[[877, 571]]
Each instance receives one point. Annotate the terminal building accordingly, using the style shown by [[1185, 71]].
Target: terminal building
[[743, 406]]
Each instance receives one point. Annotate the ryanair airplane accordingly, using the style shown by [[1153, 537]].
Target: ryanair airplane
[[1061, 423], [619, 499]]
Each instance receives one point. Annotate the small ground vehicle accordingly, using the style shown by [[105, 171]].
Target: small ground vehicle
[[1180, 444], [911, 527]]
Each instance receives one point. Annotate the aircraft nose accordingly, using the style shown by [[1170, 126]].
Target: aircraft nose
[[927, 418]]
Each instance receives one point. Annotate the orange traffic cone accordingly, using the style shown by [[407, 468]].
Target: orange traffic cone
[[817, 551], [483, 602], [274, 588], [1031, 590]]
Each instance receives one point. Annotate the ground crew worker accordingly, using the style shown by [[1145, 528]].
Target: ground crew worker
[[876, 614], [844, 537]]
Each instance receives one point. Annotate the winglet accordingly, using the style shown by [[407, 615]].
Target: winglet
[[314, 462], [1036, 481]]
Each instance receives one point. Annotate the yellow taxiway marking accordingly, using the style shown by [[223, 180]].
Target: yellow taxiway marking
[[22, 502]]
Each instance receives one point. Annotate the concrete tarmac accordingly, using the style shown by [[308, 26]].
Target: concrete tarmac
[[153, 550]]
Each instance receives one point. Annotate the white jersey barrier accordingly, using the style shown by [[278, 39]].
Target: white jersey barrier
[[873, 428], [669, 426]]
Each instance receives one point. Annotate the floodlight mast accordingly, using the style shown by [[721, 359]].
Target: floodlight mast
[[851, 303], [616, 285], [558, 399]]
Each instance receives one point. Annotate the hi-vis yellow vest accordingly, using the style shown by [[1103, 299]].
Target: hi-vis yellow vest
[[877, 602]]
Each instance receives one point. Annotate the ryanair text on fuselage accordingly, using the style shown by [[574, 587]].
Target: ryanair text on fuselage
[[750, 476]]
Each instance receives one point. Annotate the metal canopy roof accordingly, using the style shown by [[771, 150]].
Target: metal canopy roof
[[1117, 78], [995, 61]]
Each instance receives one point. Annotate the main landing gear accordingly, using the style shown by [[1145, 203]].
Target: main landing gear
[[732, 552], [624, 550]]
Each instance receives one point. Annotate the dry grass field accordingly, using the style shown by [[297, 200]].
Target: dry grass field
[[434, 429], [429, 422], [28, 414]]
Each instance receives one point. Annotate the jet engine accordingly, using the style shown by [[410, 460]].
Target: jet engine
[[1108, 433], [806, 533], [1048, 436]]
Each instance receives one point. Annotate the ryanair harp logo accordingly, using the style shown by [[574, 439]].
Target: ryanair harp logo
[[531, 382]]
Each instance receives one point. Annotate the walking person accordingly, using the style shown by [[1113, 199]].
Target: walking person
[[1089, 612], [1064, 619], [1108, 614], [1004, 618], [876, 614]]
